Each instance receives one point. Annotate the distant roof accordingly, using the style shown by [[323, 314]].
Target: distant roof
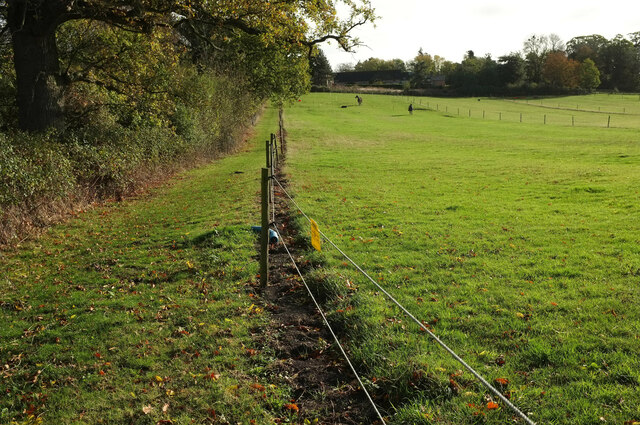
[[368, 77]]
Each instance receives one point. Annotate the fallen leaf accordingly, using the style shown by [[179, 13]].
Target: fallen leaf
[[291, 406], [492, 406], [147, 409]]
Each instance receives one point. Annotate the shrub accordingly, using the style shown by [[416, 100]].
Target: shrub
[[108, 156], [32, 168]]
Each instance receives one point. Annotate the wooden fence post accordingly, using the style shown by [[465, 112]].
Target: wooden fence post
[[281, 129], [274, 147], [264, 234]]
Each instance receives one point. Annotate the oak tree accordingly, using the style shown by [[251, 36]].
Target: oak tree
[[283, 26]]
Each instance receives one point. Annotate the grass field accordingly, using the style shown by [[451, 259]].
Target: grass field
[[519, 243], [597, 110], [142, 312]]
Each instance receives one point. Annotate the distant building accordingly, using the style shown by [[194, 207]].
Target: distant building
[[438, 81], [372, 78], [382, 79]]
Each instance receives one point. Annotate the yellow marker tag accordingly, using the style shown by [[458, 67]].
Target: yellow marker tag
[[315, 236]]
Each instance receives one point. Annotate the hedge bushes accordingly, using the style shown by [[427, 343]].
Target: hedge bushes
[[42, 174]]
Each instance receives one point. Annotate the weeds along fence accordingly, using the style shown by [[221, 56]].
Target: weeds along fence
[[268, 182]]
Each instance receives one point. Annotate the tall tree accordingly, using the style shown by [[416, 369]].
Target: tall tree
[[587, 47], [511, 69], [589, 75], [560, 71], [33, 25], [422, 68], [376, 64], [321, 72], [555, 43], [535, 49], [620, 65], [345, 67], [467, 73]]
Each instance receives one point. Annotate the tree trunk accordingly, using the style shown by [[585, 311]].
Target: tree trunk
[[33, 27], [39, 92]]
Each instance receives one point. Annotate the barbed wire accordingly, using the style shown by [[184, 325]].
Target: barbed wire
[[326, 322], [484, 382]]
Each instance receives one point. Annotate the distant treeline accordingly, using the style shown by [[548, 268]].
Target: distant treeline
[[546, 65]]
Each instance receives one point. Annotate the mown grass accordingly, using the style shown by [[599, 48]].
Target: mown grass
[[142, 312], [596, 110], [518, 243]]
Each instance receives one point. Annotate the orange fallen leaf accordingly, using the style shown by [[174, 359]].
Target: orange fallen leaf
[[491, 405], [291, 406], [257, 387]]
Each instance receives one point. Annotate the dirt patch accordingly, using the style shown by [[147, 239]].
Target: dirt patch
[[308, 359]]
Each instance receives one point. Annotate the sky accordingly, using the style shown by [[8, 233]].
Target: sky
[[449, 28]]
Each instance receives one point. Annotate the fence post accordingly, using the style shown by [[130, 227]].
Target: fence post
[[483, 114], [264, 234], [281, 129], [545, 119], [609, 122], [500, 116], [268, 153], [274, 147], [573, 120]]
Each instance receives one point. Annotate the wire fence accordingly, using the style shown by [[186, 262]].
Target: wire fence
[[390, 297], [268, 221], [533, 112], [326, 322]]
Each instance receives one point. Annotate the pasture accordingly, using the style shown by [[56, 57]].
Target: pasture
[[518, 243]]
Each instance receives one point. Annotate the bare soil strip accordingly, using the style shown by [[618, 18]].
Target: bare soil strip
[[324, 388]]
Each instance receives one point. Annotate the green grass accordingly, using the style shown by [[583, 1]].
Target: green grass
[[518, 242], [142, 312], [579, 111]]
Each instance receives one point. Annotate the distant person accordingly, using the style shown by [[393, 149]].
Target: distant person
[[411, 109], [359, 100]]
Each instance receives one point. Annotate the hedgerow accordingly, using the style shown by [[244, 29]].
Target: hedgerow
[[42, 175]]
